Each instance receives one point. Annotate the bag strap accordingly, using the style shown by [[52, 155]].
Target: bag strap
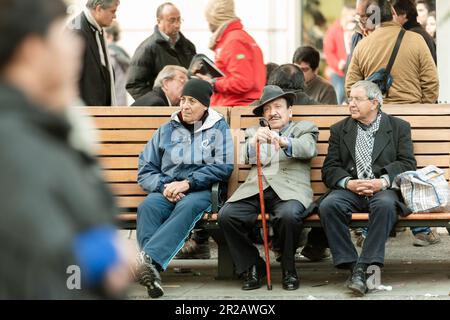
[[394, 54]]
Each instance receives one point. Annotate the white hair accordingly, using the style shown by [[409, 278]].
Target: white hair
[[168, 73], [373, 92]]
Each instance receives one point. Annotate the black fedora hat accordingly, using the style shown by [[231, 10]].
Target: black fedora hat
[[271, 93]]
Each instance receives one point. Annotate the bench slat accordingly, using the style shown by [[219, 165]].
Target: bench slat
[[315, 217], [421, 121], [396, 110], [124, 135]]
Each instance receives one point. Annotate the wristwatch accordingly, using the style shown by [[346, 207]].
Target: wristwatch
[[384, 184]]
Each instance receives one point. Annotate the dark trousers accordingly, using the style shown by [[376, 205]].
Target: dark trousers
[[237, 220], [335, 216]]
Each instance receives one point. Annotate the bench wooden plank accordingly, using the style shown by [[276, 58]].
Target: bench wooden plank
[[323, 110], [139, 111], [444, 216], [124, 135], [327, 121], [417, 134]]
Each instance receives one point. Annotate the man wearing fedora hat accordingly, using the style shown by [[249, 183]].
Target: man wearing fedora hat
[[286, 148]]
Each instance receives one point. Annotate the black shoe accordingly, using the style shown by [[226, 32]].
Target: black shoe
[[357, 282], [315, 253], [290, 280], [148, 276], [253, 277]]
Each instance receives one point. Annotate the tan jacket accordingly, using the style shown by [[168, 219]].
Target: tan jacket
[[289, 177], [414, 72]]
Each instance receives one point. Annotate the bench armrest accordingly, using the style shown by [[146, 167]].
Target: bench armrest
[[215, 198]]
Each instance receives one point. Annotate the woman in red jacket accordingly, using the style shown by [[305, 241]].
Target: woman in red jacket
[[237, 55]]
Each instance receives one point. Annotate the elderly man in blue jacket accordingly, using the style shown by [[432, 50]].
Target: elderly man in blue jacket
[[178, 166]]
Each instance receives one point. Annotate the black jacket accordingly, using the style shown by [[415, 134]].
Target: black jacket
[[416, 27], [95, 80], [392, 151], [156, 98], [49, 193], [151, 57]]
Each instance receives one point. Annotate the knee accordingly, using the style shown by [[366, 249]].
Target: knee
[[194, 204], [291, 216], [224, 216], [384, 202], [327, 207]]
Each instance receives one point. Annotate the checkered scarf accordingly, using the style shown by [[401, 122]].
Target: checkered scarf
[[364, 147]]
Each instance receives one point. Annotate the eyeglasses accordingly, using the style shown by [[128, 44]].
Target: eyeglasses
[[357, 99], [175, 20]]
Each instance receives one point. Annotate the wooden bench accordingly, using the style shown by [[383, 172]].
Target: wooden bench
[[123, 132]]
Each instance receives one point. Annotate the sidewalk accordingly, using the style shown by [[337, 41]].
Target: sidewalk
[[412, 272]]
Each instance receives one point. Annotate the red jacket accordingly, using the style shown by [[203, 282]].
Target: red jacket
[[241, 60], [334, 47]]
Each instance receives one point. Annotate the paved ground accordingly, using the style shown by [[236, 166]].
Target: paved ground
[[413, 273]]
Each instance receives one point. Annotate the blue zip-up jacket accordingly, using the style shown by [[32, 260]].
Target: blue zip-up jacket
[[203, 157]]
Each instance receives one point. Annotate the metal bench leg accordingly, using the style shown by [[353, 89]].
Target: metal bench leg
[[225, 266]]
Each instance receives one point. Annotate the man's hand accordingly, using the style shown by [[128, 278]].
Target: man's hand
[[265, 135], [175, 191], [203, 77], [365, 187]]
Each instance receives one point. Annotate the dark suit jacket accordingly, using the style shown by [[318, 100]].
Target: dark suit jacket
[[392, 151], [95, 82], [156, 98]]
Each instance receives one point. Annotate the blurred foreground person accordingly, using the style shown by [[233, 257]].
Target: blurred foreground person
[[56, 215]]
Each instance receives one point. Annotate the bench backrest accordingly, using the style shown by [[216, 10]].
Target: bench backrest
[[123, 133]]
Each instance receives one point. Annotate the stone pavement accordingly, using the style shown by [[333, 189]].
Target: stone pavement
[[420, 273]]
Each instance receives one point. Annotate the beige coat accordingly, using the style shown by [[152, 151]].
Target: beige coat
[[414, 72], [289, 177]]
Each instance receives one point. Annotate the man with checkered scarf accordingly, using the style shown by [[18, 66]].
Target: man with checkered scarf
[[367, 150]]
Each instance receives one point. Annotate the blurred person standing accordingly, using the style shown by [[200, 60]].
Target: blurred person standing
[[405, 13], [166, 46], [431, 25], [120, 61], [414, 73], [424, 7], [96, 83], [236, 54], [56, 214], [167, 88], [336, 48]]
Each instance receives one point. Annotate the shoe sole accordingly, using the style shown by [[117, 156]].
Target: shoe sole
[[260, 284], [155, 291], [423, 243], [291, 288], [356, 290]]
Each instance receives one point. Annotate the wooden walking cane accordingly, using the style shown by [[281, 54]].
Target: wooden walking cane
[[263, 123]]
